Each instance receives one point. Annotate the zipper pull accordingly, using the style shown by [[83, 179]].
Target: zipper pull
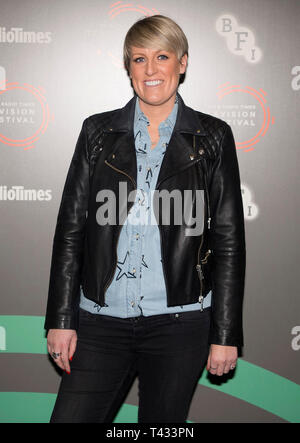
[[199, 270], [201, 277], [208, 222], [201, 298]]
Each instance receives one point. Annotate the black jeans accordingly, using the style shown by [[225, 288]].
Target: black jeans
[[167, 352]]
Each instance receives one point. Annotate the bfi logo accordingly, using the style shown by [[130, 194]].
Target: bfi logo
[[251, 211], [240, 40]]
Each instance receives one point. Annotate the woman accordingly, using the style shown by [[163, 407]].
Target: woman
[[154, 300]]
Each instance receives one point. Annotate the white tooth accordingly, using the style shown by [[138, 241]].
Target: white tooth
[[153, 83]]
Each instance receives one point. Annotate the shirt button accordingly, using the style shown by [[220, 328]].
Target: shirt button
[[137, 236], [134, 270], [132, 304]]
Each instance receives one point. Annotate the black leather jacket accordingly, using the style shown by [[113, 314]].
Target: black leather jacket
[[201, 155]]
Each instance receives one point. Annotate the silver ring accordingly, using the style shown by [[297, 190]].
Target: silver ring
[[213, 368], [55, 355], [232, 367]]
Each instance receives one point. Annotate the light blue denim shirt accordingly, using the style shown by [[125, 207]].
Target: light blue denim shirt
[[138, 285]]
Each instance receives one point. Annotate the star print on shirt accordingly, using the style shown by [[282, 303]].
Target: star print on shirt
[[142, 200], [140, 149], [149, 173], [140, 306], [143, 263], [121, 272], [98, 307]]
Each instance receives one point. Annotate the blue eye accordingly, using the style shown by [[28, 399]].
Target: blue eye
[[141, 59]]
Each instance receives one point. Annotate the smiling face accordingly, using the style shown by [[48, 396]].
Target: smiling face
[[155, 74]]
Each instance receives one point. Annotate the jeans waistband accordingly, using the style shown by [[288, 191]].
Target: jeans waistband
[[186, 314]]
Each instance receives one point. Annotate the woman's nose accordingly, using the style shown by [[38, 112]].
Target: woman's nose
[[150, 67]]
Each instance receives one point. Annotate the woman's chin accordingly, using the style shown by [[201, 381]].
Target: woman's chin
[[154, 99]]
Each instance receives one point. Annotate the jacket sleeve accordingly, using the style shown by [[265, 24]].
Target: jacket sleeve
[[228, 246], [68, 242]]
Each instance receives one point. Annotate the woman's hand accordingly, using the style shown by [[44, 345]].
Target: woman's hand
[[62, 342], [221, 359]]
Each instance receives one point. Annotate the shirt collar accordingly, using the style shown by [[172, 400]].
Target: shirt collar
[[169, 122]]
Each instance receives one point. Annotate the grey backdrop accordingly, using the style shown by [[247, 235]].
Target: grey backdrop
[[64, 64]]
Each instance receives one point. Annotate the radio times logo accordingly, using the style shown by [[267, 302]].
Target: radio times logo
[[24, 113], [18, 35], [246, 108], [19, 193]]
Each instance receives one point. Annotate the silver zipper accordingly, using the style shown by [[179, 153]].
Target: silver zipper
[[200, 274], [201, 299], [204, 260], [199, 266]]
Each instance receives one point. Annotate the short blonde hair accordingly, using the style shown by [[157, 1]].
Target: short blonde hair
[[157, 32]]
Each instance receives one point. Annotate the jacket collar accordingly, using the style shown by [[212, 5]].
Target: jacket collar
[[186, 122], [183, 151]]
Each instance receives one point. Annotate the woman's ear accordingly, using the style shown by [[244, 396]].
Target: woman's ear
[[183, 63]]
